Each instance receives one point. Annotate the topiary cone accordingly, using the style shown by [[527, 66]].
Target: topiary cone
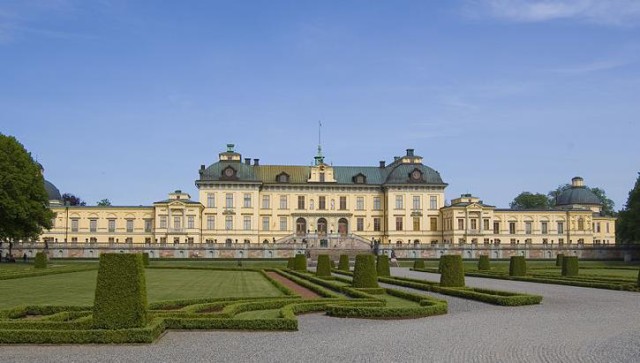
[[452, 271], [343, 264], [382, 266], [483, 263], [570, 266], [364, 272], [517, 266], [324, 266], [300, 263]]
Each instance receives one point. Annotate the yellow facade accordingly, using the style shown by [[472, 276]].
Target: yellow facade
[[400, 203]]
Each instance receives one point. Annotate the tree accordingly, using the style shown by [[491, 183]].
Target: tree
[[527, 200], [24, 203], [70, 199], [104, 203], [628, 223], [607, 204]]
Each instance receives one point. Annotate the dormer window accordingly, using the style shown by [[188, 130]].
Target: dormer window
[[360, 179], [229, 173], [415, 175], [282, 178]]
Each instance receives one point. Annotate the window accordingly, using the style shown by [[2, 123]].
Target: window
[[93, 225], [176, 223], [360, 203], [398, 223], [246, 201], [512, 227], [359, 224], [580, 224], [598, 227], [190, 240], [147, 240], [266, 202], [283, 223], [74, 225], [376, 203], [228, 222], [433, 202], [416, 223], [474, 224], [527, 227], [359, 179], [128, 240], [433, 221], [322, 203], [265, 223], [129, 225], [283, 202], [560, 227], [300, 201], [607, 226], [162, 240], [496, 227], [211, 225], [283, 178], [246, 223], [486, 224], [322, 177], [343, 202], [399, 202], [211, 200], [460, 223], [544, 229], [229, 200], [561, 241], [416, 202], [376, 224], [148, 225], [191, 222], [163, 223]]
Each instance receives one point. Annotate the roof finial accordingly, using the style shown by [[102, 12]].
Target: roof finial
[[319, 158]]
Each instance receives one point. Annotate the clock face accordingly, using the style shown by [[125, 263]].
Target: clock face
[[415, 175], [228, 172]]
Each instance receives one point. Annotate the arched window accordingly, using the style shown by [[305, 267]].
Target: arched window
[[580, 224]]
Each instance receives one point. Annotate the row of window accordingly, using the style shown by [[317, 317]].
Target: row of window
[[322, 202], [111, 225]]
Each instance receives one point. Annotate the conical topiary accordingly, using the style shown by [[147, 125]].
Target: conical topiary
[[483, 263], [382, 266], [300, 263], [41, 260], [452, 271], [364, 272], [570, 266], [324, 266], [517, 266], [343, 264]]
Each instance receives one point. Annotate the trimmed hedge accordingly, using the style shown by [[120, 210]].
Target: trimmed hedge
[[121, 293], [291, 263], [300, 262], [41, 260], [145, 259], [343, 264], [324, 266], [559, 258], [332, 263], [364, 272], [483, 263], [382, 266], [517, 266], [419, 263], [452, 274], [570, 266]]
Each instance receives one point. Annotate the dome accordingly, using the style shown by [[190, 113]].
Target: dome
[[402, 174], [577, 194], [52, 191]]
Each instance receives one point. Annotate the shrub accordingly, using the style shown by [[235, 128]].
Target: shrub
[[419, 263], [343, 264], [300, 263], [559, 258], [41, 260], [483, 263], [382, 266], [364, 272], [517, 266], [570, 266], [145, 259], [639, 278], [291, 263], [452, 272], [324, 266], [121, 293]]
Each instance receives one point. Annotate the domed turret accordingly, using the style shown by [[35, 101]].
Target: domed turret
[[578, 195]]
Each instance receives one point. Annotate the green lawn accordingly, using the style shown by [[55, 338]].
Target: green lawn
[[78, 288]]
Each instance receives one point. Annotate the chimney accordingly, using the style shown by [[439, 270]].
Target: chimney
[[256, 162], [202, 167], [577, 182], [382, 163], [247, 161], [395, 158], [230, 148], [409, 152]]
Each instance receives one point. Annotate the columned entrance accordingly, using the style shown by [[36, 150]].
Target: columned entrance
[[322, 226], [343, 226], [301, 226]]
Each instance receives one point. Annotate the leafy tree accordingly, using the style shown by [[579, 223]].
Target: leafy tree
[[607, 204], [527, 200], [24, 203], [104, 203], [70, 199], [628, 223]]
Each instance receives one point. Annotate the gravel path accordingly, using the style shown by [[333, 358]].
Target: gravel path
[[571, 325]]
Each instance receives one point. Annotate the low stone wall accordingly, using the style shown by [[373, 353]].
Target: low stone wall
[[204, 251]]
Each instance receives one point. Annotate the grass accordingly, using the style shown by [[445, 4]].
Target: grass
[[78, 288]]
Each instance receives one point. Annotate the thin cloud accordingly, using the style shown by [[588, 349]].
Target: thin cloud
[[605, 12], [596, 66]]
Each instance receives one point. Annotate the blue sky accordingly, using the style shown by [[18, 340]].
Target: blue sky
[[125, 99]]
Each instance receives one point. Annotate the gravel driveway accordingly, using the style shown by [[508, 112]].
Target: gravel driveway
[[571, 325]]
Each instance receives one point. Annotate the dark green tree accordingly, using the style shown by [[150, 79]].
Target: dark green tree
[[527, 200], [24, 203], [72, 200], [628, 223], [607, 204], [104, 203]]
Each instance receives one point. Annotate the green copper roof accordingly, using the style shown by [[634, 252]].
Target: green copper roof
[[577, 195]]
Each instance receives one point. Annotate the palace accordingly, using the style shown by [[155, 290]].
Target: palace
[[241, 201]]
